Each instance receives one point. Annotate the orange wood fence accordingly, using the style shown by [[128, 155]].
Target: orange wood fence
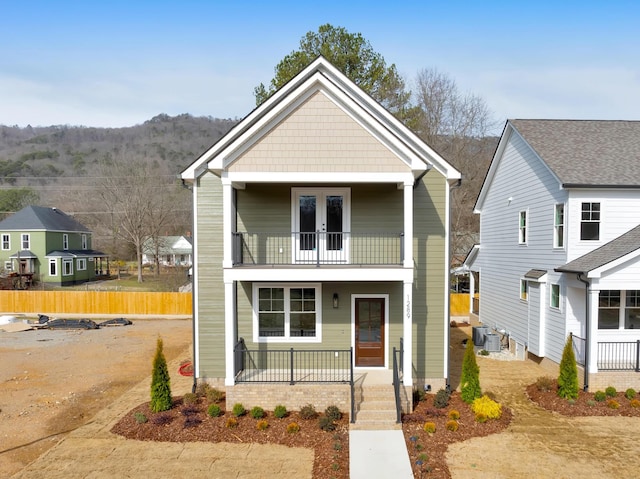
[[459, 304], [96, 302]]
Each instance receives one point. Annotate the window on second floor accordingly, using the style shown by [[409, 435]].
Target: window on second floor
[[25, 240], [590, 222], [522, 228], [6, 241], [558, 226], [65, 241], [84, 241]]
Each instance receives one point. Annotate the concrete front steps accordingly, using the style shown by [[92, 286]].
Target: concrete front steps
[[375, 402]]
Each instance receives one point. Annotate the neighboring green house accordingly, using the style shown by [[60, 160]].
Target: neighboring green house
[[321, 243], [50, 246]]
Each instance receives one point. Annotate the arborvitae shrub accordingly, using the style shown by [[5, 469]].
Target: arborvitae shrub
[[610, 392], [160, 382], [238, 410], [333, 413], [214, 410], [470, 380], [280, 411], [308, 412], [568, 378], [441, 400], [257, 412], [429, 427], [630, 393]]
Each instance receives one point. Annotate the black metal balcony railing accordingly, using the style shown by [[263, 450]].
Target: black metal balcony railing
[[619, 356], [318, 248]]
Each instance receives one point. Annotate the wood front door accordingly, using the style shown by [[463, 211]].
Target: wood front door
[[369, 337]]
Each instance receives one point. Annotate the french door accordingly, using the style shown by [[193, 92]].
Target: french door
[[321, 225]]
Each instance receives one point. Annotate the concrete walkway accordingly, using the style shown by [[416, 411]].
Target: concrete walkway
[[378, 454]]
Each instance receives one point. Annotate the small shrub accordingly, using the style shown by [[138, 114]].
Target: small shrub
[[435, 412], [191, 421], [545, 384], [280, 411], [231, 423], [599, 396], [481, 418], [611, 392], [487, 406], [429, 427], [333, 413], [484, 352], [591, 403], [161, 419], [441, 400], [418, 395], [308, 412], [337, 446], [293, 428], [202, 389], [635, 403], [630, 393], [214, 395], [190, 398], [238, 410], [452, 425], [572, 402], [262, 425], [613, 404], [140, 418], [214, 410], [257, 412], [326, 424], [189, 410], [453, 414], [412, 417]]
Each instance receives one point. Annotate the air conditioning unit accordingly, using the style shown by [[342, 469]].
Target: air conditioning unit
[[492, 342], [478, 333]]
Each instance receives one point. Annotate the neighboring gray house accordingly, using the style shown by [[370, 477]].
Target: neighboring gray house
[[170, 250], [49, 246], [321, 237], [559, 248]]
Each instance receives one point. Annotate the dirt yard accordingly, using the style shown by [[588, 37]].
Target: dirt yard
[[53, 381]]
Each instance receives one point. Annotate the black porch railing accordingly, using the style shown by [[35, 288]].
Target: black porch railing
[[619, 356], [294, 366], [317, 248], [398, 371]]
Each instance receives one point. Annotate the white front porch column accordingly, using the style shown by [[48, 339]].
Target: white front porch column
[[408, 225], [407, 334], [594, 296], [472, 290], [229, 331], [227, 223]]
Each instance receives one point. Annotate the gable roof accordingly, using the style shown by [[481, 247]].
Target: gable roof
[[41, 218], [321, 76], [586, 153], [614, 250]]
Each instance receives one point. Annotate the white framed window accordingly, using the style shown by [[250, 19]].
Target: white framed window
[[6, 241], [84, 241], [81, 264], [53, 267], [558, 226], [619, 309], [522, 227], [524, 290], [8, 266], [67, 267], [287, 312], [65, 241], [590, 222], [554, 299], [25, 241]]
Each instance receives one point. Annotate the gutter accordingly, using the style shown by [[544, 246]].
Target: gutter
[[587, 349]]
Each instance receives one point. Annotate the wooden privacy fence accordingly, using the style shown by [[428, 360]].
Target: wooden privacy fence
[[96, 302], [459, 304]]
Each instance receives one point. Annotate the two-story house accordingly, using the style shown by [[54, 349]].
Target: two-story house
[[560, 244], [49, 246], [321, 229]]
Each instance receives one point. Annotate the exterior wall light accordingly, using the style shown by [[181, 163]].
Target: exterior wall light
[[335, 300]]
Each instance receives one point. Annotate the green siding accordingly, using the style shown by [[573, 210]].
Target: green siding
[[210, 306]]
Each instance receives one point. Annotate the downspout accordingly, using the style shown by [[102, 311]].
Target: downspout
[[587, 348]]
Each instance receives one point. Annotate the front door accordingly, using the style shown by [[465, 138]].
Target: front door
[[369, 334], [320, 223]]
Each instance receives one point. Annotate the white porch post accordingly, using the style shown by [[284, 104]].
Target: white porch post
[[229, 331], [227, 224], [472, 290], [407, 322], [408, 225], [594, 296]]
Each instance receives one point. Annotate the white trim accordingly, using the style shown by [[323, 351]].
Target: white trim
[[227, 225], [521, 228], [8, 236], [229, 332], [559, 307], [408, 225], [287, 338], [318, 177], [564, 226], [386, 328], [81, 264], [407, 333], [196, 289], [54, 262], [322, 275], [22, 241]]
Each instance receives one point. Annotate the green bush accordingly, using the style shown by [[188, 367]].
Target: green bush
[[441, 400], [190, 398], [308, 412], [333, 413], [470, 380], [599, 396], [238, 410], [326, 424], [630, 393], [214, 395], [545, 384], [160, 382], [140, 418], [568, 378], [280, 411], [610, 392], [214, 410], [257, 412]]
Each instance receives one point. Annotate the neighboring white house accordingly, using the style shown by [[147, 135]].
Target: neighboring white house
[[559, 248], [172, 251]]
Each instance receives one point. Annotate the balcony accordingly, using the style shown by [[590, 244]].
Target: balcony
[[317, 249]]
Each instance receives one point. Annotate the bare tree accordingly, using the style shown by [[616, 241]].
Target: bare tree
[[456, 125]]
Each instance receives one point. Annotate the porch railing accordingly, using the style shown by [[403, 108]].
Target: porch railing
[[398, 372], [317, 248], [619, 356], [294, 366]]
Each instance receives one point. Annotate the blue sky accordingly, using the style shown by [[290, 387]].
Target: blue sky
[[119, 63]]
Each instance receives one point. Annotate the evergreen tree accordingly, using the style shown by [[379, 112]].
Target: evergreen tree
[[470, 381], [568, 378], [160, 382]]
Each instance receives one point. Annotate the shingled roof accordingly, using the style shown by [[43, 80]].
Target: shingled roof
[[586, 153], [40, 218], [605, 254]]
